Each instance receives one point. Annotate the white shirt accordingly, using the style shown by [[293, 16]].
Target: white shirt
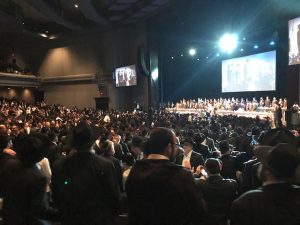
[[186, 158]]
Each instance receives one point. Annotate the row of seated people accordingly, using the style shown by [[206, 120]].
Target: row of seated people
[[231, 104], [83, 169]]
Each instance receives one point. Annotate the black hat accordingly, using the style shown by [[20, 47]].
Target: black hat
[[188, 141], [199, 137], [30, 149], [281, 160], [82, 137], [276, 136]]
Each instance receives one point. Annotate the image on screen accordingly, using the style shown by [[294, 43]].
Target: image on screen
[[125, 76], [250, 73], [294, 41]]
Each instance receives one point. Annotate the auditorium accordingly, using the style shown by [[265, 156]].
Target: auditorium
[[149, 112]]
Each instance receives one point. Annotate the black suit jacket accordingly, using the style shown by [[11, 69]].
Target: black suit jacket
[[162, 193], [228, 166], [85, 189], [24, 195], [218, 193], [195, 160], [276, 204]]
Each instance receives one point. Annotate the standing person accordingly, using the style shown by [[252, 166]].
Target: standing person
[[84, 185], [24, 185], [278, 201], [159, 191]]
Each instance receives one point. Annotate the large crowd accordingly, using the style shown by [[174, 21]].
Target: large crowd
[[61, 165]]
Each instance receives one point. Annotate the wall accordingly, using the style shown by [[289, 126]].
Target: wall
[[92, 52], [99, 53], [26, 94], [80, 95]]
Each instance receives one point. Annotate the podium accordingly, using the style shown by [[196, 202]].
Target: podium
[[102, 103]]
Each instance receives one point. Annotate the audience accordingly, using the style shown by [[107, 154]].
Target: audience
[[93, 155]]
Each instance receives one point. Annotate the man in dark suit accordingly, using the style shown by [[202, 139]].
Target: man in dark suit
[[189, 159], [228, 161], [84, 185], [23, 185], [218, 193], [199, 147], [278, 201], [159, 191]]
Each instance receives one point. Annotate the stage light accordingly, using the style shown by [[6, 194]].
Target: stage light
[[244, 39], [242, 49], [218, 54], [43, 35], [272, 43], [181, 55], [228, 42], [256, 46], [76, 6], [154, 74], [207, 57], [172, 57], [198, 59], [192, 51]]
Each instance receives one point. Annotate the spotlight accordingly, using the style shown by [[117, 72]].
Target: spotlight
[[76, 6], [272, 43], [154, 74], [242, 49], [244, 39], [198, 59], [218, 54], [207, 57], [43, 35], [256, 46], [192, 51], [228, 42], [172, 57], [181, 55]]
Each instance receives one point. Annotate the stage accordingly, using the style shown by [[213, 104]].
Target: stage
[[202, 112]]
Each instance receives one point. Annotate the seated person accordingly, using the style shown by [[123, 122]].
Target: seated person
[[218, 193]]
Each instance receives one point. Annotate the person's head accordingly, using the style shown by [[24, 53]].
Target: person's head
[[199, 138], [30, 150], [137, 143], [187, 145], [52, 136], [213, 166], [15, 130], [82, 137], [224, 147], [108, 148], [162, 141], [279, 162]]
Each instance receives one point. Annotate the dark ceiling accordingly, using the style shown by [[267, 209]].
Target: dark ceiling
[[200, 18], [56, 18]]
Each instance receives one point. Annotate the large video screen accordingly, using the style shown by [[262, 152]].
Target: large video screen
[[125, 76], [250, 73], [294, 39]]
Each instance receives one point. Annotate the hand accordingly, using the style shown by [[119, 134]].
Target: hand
[[198, 169], [9, 151]]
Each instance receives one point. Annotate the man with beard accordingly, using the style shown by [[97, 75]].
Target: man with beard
[[278, 201], [159, 191]]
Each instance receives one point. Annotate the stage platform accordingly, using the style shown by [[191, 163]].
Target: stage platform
[[202, 112]]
